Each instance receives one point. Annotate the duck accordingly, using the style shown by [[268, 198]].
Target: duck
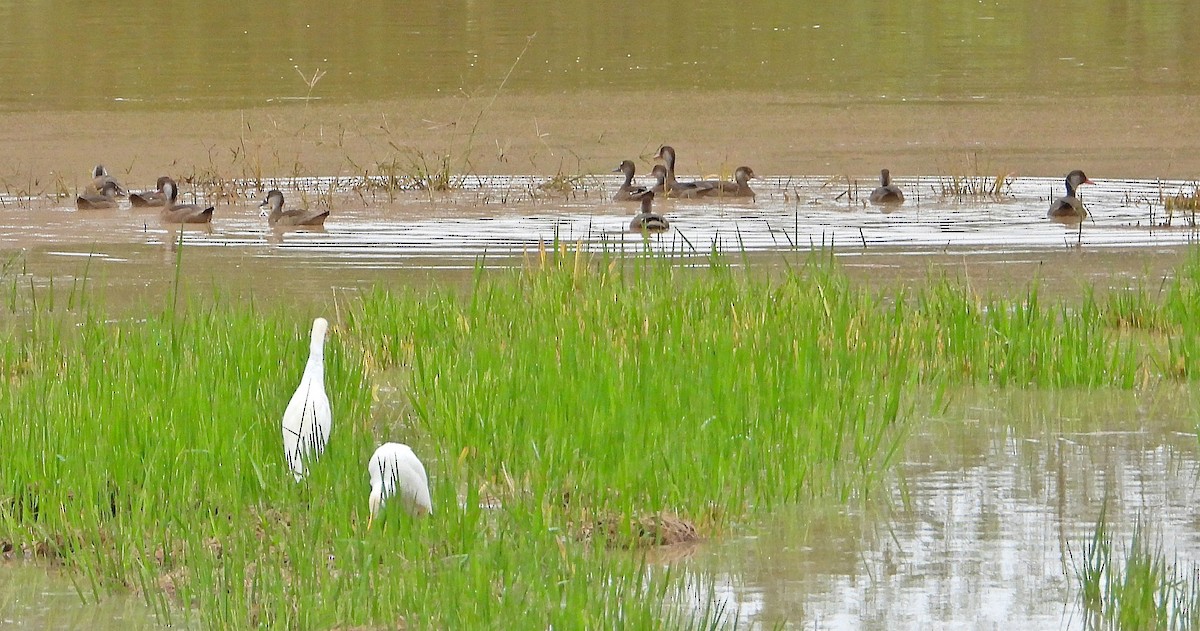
[[672, 186], [886, 192], [100, 178], [174, 212], [294, 217], [1069, 209], [738, 187], [629, 192], [106, 198], [647, 220], [146, 199], [659, 172]]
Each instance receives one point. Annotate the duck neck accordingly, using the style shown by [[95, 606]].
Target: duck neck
[[628, 179]]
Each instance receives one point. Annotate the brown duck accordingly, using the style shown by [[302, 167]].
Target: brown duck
[[673, 187], [150, 199], [886, 192], [647, 220], [100, 178], [292, 217], [174, 212], [629, 192], [106, 198], [1069, 209], [739, 187]]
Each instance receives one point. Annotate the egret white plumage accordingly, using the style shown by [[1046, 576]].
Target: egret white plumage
[[395, 469], [307, 419]]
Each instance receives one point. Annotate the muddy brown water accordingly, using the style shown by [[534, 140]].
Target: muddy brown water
[[812, 95]]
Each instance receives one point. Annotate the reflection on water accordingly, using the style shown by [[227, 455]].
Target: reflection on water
[[33, 598], [988, 518], [151, 55]]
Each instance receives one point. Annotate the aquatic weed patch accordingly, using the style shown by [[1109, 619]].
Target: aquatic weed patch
[[1136, 586]]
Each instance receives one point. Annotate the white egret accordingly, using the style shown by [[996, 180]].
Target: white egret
[[307, 419], [395, 468]]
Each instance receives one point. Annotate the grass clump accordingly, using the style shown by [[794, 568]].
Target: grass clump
[[1135, 587], [975, 186], [973, 181], [1182, 204]]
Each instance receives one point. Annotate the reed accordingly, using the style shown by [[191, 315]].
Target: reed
[[1136, 586]]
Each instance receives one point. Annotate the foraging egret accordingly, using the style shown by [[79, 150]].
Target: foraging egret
[[307, 419], [394, 467]]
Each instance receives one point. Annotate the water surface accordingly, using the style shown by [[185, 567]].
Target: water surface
[[215, 53], [31, 597], [986, 522]]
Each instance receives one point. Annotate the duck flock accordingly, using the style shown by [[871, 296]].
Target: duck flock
[[104, 191]]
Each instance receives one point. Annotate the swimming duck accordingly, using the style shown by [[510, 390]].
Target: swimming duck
[[673, 187], [660, 187], [739, 187], [100, 178], [153, 198], [646, 220], [107, 198], [174, 212], [629, 191], [1069, 209], [886, 192], [294, 217]]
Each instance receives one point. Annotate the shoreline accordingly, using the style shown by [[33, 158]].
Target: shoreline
[[776, 133]]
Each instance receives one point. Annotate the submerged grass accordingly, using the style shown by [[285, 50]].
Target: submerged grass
[[576, 399], [1136, 587]]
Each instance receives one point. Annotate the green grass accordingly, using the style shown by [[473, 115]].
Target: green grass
[[577, 395], [1136, 587]]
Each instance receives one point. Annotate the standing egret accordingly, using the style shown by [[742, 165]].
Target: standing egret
[[394, 467], [307, 418]]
